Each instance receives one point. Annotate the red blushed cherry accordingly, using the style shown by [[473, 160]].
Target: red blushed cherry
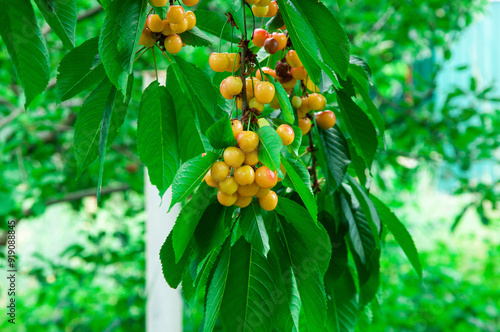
[[325, 120], [259, 37], [271, 45], [266, 178]]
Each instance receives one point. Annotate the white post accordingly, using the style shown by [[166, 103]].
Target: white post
[[164, 310]]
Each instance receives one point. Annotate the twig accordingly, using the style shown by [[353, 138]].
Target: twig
[[314, 173]]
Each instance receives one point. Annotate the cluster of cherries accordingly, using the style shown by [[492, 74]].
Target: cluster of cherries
[[240, 176], [263, 8], [167, 31]]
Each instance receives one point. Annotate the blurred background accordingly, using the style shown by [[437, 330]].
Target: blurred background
[[436, 82]]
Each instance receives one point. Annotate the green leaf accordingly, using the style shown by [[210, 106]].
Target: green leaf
[[212, 22], [220, 134], [195, 37], [284, 100], [275, 22], [360, 128], [343, 304], [357, 163], [270, 147], [26, 46], [334, 156], [253, 228], [301, 170], [157, 143], [297, 142], [161, 11], [89, 123], [401, 234], [172, 269], [238, 12], [304, 191], [119, 38], [362, 84], [248, 300], [79, 70], [190, 175], [61, 16], [188, 218]]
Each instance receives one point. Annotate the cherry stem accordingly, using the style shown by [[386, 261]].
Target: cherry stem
[[145, 50], [221, 33]]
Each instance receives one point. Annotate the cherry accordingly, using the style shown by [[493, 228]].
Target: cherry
[[218, 62], [253, 103], [190, 3], [252, 2], [271, 45], [286, 133], [173, 44], [234, 157], [269, 202], [265, 178], [259, 37], [273, 9], [248, 141], [191, 19], [167, 31], [310, 85], [266, 70], [281, 39], [288, 85], [158, 3], [317, 102], [305, 107], [243, 201], [175, 14], [325, 120], [252, 158], [228, 186], [226, 200], [180, 27], [305, 125], [248, 190], [263, 3], [210, 181], [234, 85], [237, 128], [299, 73], [296, 102], [244, 175], [219, 171], [293, 59], [155, 23], [262, 192], [232, 57], [224, 92], [251, 86], [260, 11], [264, 92], [239, 102], [147, 39]]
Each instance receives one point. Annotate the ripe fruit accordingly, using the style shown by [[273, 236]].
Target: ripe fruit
[[226, 200], [147, 39], [158, 3], [253, 103], [288, 85], [218, 62], [310, 85], [231, 57], [179, 27], [248, 190], [264, 92], [271, 45], [237, 128], [260, 11], [286, 133], [167, 31], [273, 9], [190, 3], [293, 59], [252, 2], [243, 201], [263, 3], [248, 141], [296, 102], [155, 23], [259, 37], [175, 14], [317, 102], [252, 158], [173, 44], [305, 125], [244, 175], [266, 70], [262, 192], [269, 202], [281, 39], [234, 85], [210, 181], [228, 186], [224, 92], [250, 85], [191, 19], [299, 73], [219, 171], [265, 178], [234, 157], [325, 120]]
